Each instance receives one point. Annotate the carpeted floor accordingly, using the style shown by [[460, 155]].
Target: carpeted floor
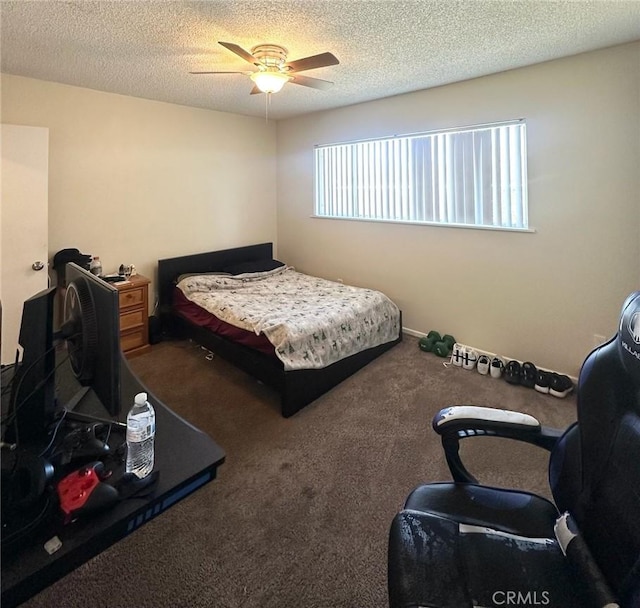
[[299, 514]]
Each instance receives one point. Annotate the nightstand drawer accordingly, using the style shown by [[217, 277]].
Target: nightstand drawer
[[131, 297], [129, 320], [133, 339]]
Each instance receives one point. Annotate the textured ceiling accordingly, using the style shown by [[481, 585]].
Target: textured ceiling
[[385, 47]]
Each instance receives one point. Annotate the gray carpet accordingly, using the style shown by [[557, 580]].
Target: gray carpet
[[300, 511]]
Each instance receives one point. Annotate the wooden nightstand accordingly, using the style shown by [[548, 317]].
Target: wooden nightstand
[[134, 315]]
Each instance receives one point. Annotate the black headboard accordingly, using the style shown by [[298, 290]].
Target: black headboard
[[169, 269]]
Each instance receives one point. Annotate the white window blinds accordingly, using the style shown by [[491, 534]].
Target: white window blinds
[[474, 176]]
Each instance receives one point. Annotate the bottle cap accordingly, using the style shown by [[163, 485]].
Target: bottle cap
[[140, 399]]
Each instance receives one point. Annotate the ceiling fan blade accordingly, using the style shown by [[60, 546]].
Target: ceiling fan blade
[[234, 48], [314, 83], [311, 63], [255, 91], [245, 73]]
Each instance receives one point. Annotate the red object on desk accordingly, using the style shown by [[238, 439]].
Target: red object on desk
[[84, 491]]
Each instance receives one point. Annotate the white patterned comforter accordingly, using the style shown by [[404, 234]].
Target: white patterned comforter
[[311, 322]]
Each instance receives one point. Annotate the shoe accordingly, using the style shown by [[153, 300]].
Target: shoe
[[456, 355], [542, 381], [528, 374], [469, 358], [560, 385], [497, 365], [512, 372], [484, 363]]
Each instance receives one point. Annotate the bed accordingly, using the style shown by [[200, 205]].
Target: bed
[[297, 386]]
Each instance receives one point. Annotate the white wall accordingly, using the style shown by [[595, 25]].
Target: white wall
[[539, 296], [24, 209], [133, 180]]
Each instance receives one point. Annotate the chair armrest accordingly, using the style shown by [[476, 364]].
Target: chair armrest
[[460, 421]]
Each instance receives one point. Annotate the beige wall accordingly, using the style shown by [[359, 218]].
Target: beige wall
[[133, 180], [539, 296]]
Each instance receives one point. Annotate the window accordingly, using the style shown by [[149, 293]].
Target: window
[[474, 176]]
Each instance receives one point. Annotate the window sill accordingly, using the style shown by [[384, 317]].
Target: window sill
[[435, 224]]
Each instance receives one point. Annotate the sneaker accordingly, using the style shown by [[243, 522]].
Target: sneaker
[[560, 385], [528, 374], [484, 363], [469, 358], [497, 365], [456, 355], [542, 381], [512, 372]]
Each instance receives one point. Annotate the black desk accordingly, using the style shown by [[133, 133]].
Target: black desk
[[186, 458]]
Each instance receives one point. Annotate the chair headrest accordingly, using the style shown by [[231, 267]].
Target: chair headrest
[[70, 255], [629, 337]]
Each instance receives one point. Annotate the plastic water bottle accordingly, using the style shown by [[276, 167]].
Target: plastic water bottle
[[141, 431]]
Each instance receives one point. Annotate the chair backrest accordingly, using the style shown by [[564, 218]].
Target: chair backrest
[[604, 467]]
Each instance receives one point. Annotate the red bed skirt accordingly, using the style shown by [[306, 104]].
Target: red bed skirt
[[199, 316]]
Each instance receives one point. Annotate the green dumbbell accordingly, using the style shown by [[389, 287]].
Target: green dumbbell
[[427, 343], [442, 349], [449, 340]]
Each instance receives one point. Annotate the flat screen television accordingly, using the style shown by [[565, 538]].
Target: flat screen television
[[91, 333]]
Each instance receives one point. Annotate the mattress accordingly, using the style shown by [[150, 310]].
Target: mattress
[[311, 322]]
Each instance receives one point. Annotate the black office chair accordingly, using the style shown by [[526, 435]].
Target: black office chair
[[459, 544]]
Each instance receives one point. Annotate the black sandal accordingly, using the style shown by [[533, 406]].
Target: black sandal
[[512, 372], [529, 374]]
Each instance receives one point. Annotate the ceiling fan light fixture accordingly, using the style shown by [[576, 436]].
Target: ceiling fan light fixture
[[270, 82]]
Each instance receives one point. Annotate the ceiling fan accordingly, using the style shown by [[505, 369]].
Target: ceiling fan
[[273, 70]]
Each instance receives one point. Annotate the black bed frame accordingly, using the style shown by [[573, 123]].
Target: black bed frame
[[298, 387]]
